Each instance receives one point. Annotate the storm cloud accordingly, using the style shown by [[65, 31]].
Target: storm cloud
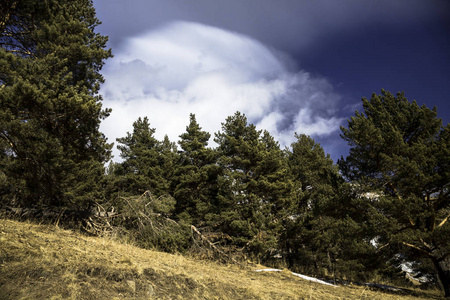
[[291, 25], [185, 67], [290, 65]]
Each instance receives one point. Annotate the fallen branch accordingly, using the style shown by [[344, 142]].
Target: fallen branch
[[214, 247]]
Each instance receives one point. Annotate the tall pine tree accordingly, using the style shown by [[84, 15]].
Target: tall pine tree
[[196, 177], [253, 187], [321, 234], [51, 149]]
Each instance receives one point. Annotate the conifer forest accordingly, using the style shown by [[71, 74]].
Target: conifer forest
[[384, 206]]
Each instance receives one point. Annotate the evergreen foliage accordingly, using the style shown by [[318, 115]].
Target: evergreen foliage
[[51, 149], [253, 187], [196, 176], [317, 239], [394, 205], [148, 164], [400, 152]]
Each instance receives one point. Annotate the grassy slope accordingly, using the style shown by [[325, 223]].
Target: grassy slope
[[45, 262]]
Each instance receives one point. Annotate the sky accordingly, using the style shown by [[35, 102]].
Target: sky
[[291, 66]]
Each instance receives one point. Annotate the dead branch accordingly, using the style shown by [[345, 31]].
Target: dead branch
[[384, 246], [417, 248], [212, 246], [443, 221]]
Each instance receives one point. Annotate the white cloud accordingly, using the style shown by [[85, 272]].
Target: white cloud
[[184, 68]]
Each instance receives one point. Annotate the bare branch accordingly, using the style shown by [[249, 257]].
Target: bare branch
[[204, 239], [443, 221], [28, 53], [384, 246], [426, 245], [417, 248]]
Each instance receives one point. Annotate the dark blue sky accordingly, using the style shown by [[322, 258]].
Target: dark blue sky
[[415, 59], [327, 55]]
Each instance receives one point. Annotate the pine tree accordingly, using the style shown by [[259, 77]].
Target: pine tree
[[196, 187], [307, 242], [400, 152], [253, 187], [147, 163], [51, 149], [169, 159]]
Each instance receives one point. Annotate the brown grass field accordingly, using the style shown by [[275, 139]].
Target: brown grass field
[[46, 262]]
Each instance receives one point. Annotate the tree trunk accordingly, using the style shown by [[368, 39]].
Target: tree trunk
[[443, 271]]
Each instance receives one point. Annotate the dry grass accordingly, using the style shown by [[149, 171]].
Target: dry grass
[[45, 262]]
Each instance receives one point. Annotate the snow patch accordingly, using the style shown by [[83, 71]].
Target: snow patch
[[312, 279], [298, 275], [268, 270]]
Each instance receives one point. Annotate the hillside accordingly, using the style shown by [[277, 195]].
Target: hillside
[[46, 262]]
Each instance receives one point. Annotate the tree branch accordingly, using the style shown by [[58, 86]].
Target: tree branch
[[443, 257], [28, 53], [7, 16], [417, 248], [443, 221], [10, 142], [426, 245], [384, 246], [203, 238]]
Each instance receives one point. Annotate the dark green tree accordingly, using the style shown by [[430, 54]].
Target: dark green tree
[[148, 164], [196, 177], [313, 239], [400, 153], [168, 161], [253, 188], [51, 149]]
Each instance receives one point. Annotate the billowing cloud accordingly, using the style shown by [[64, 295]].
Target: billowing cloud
[[185, 68]]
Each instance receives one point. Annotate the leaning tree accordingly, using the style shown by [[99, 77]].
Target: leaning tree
[[400, 153]]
